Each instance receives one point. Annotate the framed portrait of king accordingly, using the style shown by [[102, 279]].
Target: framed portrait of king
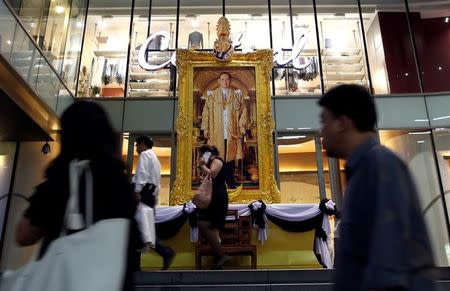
[[226, 104]]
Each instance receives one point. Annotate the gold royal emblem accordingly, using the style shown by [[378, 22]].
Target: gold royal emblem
[[223, 46]]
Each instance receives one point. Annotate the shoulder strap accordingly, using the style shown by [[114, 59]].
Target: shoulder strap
[[73, 218]]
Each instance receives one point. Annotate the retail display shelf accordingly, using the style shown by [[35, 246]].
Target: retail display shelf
[[144, 83], [343, 67], [341, 52], [345, 76], [111, 54], [342, 59]]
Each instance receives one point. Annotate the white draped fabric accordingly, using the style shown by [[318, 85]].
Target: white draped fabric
[[289, 212], [168, 213]]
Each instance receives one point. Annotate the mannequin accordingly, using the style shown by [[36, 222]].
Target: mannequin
[[195, 40]]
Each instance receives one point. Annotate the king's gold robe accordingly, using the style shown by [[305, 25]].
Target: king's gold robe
[[213, 122]]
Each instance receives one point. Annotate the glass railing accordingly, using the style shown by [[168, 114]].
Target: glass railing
[[24, 55]]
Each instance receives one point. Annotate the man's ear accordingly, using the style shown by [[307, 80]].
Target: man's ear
[[345, 123]]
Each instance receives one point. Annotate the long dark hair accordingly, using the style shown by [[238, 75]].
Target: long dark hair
[[209, 148], [86, 132]]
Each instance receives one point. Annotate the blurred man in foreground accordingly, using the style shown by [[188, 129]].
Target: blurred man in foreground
[[384, 243]]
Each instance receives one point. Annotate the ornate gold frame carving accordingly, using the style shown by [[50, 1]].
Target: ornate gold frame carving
[[261, 61]]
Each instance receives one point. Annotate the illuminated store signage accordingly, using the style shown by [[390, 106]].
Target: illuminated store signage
[[299, 45], [164, 45]]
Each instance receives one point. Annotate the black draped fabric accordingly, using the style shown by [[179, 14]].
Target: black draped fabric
[[258, 214], [168, 229], [298, 226]]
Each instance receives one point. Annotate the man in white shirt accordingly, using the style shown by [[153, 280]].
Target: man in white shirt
[[147, 185]]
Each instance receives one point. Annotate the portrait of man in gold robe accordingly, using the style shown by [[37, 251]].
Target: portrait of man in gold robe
[[226, 119]]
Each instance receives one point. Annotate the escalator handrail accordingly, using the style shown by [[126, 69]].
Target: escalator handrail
[[11, 10]]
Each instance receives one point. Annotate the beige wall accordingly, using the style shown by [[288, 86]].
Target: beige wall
[[7, 153], [300, 161], [30, 171], [420, 160], [375, 50], [301, 187]]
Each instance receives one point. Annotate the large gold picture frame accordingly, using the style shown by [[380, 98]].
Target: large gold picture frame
[[188, 61]]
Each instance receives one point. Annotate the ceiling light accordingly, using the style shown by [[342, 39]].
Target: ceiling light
[[292, 137], [419, 132], [442, 117], [447, 19], [59, 9], [420, 141], [8, 42]]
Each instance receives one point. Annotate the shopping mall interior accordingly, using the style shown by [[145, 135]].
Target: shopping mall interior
[[54, 52]]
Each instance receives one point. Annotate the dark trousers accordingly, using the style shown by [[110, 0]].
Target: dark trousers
[[160, 249], [229, 169]]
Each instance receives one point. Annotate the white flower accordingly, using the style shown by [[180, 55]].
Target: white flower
[[330, 205], [189, 207], [256, 205]]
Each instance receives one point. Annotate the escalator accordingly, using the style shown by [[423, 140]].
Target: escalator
[[28, 79]]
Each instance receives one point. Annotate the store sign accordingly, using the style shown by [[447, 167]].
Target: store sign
[[165, 38], [298, 47]]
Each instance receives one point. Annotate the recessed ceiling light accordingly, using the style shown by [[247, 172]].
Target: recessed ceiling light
[[441, 117], [59, 9], [292, 137], [419, 132]]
